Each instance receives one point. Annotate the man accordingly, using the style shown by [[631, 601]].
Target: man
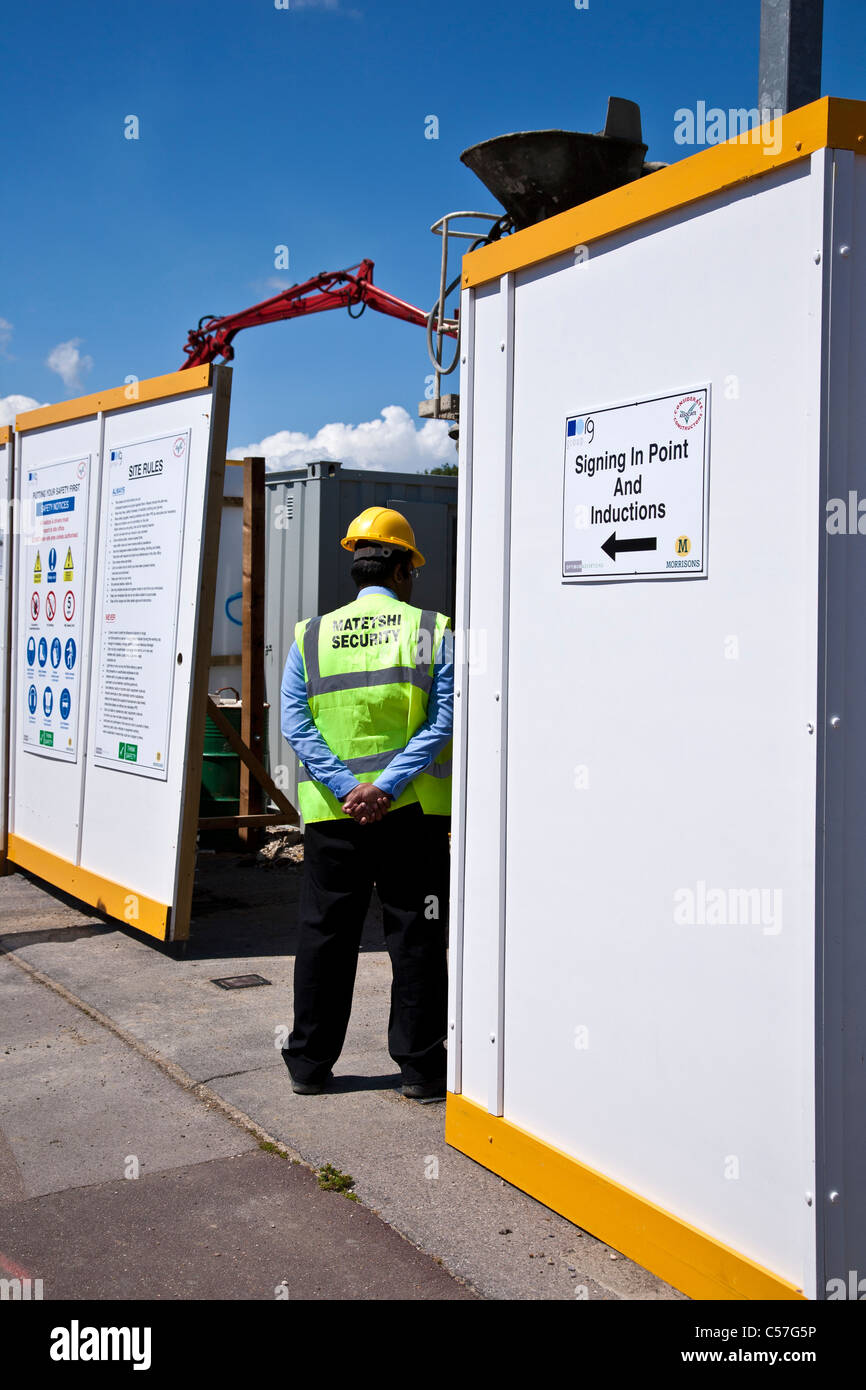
[[367, 705]]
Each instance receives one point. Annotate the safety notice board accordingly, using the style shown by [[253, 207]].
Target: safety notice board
[[115, 543]]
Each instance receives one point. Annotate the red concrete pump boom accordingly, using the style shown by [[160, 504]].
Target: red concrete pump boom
[[333, 289]]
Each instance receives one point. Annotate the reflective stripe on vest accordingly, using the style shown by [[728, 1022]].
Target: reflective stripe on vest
[[389, 704]]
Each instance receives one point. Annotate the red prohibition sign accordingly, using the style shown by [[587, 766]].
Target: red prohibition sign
[[50, 606], [68, 605], [34, 607]]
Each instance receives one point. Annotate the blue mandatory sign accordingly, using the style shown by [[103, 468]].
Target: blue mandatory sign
[[55, 653], [31, 650], [31, 699], [43, 651], [51, 576], [69, 653], [65, 703], [47, 701]]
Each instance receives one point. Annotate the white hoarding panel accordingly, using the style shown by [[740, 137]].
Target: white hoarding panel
[[53, 559], [117, 538], [635, 489], [157, 473], [6, 448], [57, 472], [482, 886], [660, 797], [143, 528]]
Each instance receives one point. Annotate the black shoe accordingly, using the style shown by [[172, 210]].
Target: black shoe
[[306, 1088], [309, 1087], [425, 1090]]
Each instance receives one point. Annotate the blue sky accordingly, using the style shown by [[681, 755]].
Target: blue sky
[[304, 127]]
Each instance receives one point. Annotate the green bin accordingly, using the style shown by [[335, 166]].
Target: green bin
[[221, 766]]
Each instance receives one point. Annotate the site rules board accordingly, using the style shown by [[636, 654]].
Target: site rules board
[[6, 447], [117, 532]]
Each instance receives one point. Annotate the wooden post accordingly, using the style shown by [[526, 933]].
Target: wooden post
[[252, 800]]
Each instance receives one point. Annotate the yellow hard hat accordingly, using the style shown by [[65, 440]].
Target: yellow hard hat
[[386, 527]]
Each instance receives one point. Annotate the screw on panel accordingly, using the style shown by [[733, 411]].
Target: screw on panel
[[810, 728], [844, 250], [835, 722], [833, 1197]]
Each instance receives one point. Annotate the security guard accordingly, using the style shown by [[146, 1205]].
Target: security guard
[[367, 705]]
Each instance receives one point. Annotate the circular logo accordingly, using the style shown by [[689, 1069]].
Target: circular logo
[[55, 653], [31, 650], [43, 651], [65, 703], [50, 606], [31, 699], [178, 447], [82, 469], [34, 607], [682, 545], [68, 605], [689, 412], [69, 653], [47, 701]]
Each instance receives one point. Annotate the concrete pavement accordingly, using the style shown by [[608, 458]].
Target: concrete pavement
[[119, 1050]]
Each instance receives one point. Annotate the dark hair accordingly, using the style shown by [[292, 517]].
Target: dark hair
[[379, 569]]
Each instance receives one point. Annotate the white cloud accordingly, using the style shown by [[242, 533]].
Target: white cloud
[[393, 442], [69, 364], [10, 406]]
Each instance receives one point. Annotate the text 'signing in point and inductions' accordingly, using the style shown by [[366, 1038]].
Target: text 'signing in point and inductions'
[[590, 464]]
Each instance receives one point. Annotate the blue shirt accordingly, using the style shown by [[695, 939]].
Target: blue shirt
[[299, 729]]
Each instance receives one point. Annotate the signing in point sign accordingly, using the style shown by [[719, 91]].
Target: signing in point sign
[[635, 489]]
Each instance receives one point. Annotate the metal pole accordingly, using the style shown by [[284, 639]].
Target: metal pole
[[790, 63]]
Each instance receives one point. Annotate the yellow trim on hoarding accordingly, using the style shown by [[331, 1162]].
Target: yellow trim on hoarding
[[155, 388], [830, 122], [5, 434], [150, 916], [692, 1261]]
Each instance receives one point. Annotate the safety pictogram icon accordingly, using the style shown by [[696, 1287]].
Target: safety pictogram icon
[[50, 606], [34, 607], [68, 605]]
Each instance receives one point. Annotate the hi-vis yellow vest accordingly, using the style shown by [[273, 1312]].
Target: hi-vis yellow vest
[[369, 671]]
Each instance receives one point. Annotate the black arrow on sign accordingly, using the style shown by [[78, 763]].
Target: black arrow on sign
[[612, 546]]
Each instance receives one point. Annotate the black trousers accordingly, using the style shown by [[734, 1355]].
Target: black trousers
[[406, 855]]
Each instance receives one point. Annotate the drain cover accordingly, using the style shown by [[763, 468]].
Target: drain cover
[[240, 981]]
